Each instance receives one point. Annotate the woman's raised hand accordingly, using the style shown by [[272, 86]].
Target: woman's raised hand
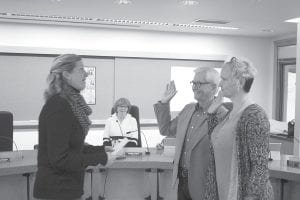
[[169, 93]]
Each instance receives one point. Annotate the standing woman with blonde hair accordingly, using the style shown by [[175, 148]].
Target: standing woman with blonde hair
[[241, 141], [63, 125]]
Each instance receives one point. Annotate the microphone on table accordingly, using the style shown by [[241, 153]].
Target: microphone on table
[[148, 150]]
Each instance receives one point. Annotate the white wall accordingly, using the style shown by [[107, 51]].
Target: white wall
[[115, 41], [35, 38], [287, 52], [297, 113]]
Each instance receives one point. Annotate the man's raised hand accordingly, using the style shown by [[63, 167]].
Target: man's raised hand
[[169, 93]]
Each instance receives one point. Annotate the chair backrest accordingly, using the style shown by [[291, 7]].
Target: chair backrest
[[134, 111], [6, 131]]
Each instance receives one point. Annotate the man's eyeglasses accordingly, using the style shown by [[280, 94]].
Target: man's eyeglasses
[[198, 83]]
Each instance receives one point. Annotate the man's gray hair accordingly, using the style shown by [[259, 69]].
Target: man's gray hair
[[211, 74]]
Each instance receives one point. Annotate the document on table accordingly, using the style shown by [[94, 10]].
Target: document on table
[[119, 146]]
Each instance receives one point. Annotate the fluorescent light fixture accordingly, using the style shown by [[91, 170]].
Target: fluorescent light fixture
[[267, 30], [123, 2], [77, 19], [189, 2], [294, 20], [211, 21], [102, 21], [206, 26], [257, 1], [125, 21]]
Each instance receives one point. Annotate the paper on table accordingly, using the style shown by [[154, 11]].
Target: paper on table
[[119, 146]]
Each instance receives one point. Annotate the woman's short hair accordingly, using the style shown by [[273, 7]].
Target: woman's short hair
[[243, 69], [55, 80], [122, 102]]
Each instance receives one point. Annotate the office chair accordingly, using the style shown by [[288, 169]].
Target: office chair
[[6, 131], [134, 111]]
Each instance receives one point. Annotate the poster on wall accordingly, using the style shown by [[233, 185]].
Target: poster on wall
[[89, 93]]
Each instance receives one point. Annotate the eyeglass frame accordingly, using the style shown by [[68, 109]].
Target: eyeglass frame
[[198, 83], [122, 106]]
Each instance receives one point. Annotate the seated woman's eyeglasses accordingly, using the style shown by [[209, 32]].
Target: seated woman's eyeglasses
[[122, 106], [198, 83]]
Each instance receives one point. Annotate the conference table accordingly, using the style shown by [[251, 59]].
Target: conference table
[[135, 176]]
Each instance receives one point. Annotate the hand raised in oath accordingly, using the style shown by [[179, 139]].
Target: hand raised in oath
[[169, 93]]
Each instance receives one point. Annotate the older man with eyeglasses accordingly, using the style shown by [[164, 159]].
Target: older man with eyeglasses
[[191, 128]]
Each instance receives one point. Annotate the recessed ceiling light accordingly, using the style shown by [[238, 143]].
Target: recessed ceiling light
[[123, 2], [211, 21], [189, 2], [294, 20], [267, 30]]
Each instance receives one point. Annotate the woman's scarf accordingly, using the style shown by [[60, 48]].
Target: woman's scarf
[[79, 107], [211, 186]]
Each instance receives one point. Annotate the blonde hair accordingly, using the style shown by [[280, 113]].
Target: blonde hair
[[241, 69], [55, 80], [122, 102]]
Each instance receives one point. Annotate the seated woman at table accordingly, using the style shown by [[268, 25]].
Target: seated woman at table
[[121, 125]]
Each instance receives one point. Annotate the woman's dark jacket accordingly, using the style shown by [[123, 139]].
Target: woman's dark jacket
[[62, 154]]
